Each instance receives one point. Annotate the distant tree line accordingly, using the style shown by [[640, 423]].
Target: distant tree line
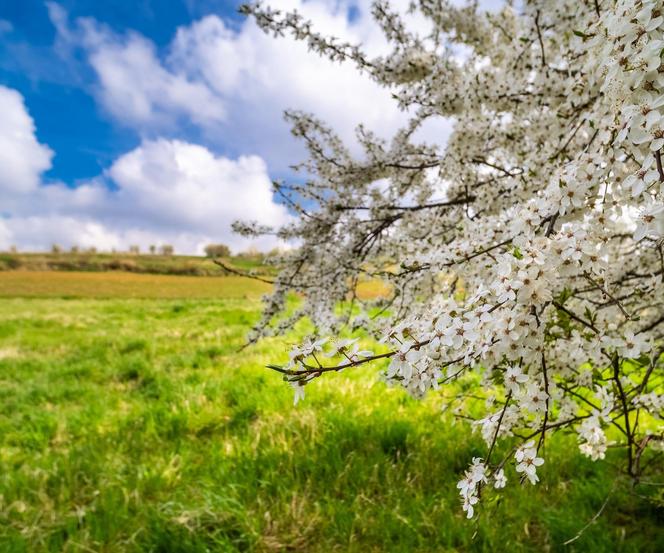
[[217, 250], [211, 250]]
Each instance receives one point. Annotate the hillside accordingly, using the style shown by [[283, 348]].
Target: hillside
[[153, 264]]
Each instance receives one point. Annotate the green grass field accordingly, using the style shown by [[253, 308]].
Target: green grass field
[[129, 421]]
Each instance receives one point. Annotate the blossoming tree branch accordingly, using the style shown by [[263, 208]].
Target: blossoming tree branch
[[525, 257]]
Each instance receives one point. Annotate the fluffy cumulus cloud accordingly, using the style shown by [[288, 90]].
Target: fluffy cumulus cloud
[[132, 84], [135, 87], [164, 191], [179, 187], [22, 157], [234, 83]]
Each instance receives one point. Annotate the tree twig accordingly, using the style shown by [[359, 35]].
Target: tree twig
[[660, 169], [539, 38], [592, 520], [240, 273]]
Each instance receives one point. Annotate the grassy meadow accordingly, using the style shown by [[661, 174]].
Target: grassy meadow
[[130, 421], [132, 263]]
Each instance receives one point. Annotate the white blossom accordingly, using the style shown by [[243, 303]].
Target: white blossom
[[593, 440], [500, 480], [298, 389], [528, 461], [514, 377], [469, 486]]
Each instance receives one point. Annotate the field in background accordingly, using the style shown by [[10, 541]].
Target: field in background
[[133, 263], [125, 285], [134, 423]]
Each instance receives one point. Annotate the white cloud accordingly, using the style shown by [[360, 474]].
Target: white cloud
[[22, 158], [235, 83], [135, 87], [39, 232], [179, 186], [258, 77], [165, 191]]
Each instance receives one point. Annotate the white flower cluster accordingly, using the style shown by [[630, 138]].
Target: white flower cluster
[[525, 258], [470, 485], [633, 83], [528, 461], [653, 402], [593, 439]]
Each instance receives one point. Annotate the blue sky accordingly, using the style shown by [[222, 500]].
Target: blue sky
[[160, 121], [87, 142]]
